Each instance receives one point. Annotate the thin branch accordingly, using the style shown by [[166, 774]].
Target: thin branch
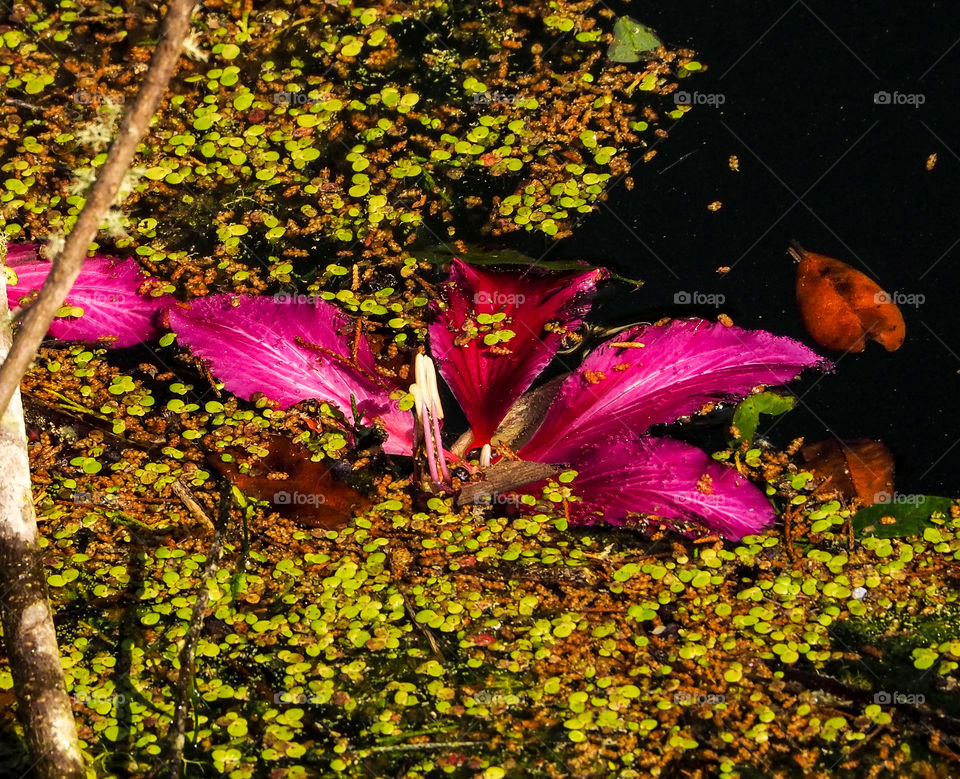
[[425, 747], [185, 678], [924, 715], [190, 501], [28, 628], [66, 267]]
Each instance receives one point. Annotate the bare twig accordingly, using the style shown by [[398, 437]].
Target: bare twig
[[189, 500], [425, 747], [104, 18], [411, 611], [22, 104], [184, 688], [66, 267], [930, 718]]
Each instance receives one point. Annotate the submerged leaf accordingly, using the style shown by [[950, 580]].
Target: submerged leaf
[[526, 415], [842, 308], [503, 256], [310, 494], [894, 518], [861, 469], [631, 39]]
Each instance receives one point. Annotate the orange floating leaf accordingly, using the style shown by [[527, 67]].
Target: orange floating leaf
[[842, 308], [860, 469], [298, 488]]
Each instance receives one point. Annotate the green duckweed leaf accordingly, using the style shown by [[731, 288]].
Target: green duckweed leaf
[[630, 40]]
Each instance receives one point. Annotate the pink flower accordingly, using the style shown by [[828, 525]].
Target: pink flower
[[494, 333], [599, 420], [599, 417], [498, 331]]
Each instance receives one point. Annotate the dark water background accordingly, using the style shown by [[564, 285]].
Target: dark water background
[[798, 83]]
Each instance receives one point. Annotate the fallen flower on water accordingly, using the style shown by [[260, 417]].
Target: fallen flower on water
[[494, 333], [498, 331], [596, 420]]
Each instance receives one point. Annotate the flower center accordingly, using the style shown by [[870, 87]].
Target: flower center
[[429, 412]]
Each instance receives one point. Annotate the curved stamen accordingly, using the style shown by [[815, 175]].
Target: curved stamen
[[426, 398], [433, 393], [431, 455], [437, 415], [423, 427], [417, 400]]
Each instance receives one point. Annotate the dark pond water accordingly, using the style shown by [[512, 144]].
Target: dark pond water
[[825, 162]]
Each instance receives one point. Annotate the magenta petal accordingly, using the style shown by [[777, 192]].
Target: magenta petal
[[20, 252], [107, 290], [289, 351], [488, 377], [669, 479], [681, 366]]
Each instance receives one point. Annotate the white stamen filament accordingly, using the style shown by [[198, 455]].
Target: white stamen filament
[[418, 369], [433, 395], [429, 411], [429, 437], [436, 415], [485, 456], [425, 375], [417, 399]]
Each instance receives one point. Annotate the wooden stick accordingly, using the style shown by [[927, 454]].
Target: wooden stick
[[189, 500], [184, 691], [29, 635]]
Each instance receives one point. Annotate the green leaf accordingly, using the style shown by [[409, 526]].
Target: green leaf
[[243, 101], [909, 518], [747, 416], [630, 40], [924, 657], [156, 173], [36, 85]]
